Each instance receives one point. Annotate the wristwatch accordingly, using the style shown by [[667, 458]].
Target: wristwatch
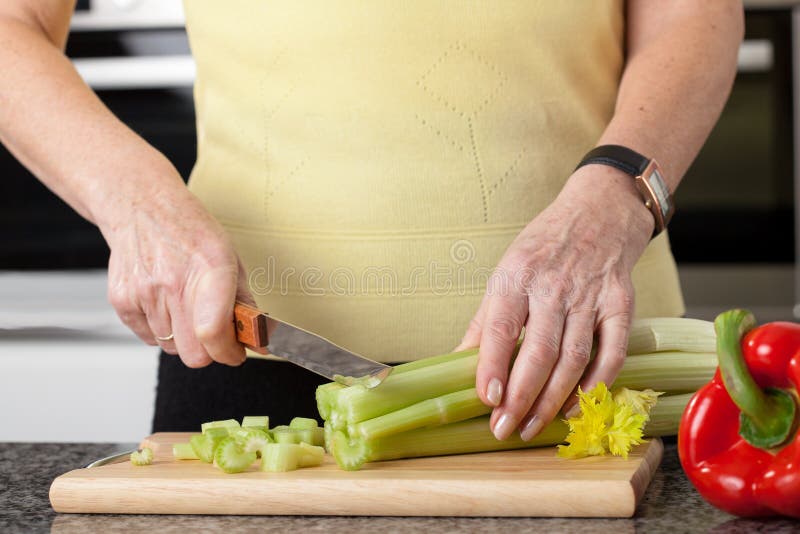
[[647, 177]]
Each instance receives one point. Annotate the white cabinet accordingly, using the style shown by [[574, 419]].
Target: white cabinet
[[69, 371]]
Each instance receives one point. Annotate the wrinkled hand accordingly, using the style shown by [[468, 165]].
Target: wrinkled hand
[[565, 278], [174, 271]]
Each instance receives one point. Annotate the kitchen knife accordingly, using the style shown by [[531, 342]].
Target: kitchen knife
[[333, 362]]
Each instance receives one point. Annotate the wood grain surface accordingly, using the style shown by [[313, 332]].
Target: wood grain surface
[[531, 482]]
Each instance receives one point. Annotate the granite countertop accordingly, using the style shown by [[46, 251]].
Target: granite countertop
[[26, 471]]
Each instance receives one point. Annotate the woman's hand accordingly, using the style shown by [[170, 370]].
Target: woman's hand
[[565, 278], [174, 272]]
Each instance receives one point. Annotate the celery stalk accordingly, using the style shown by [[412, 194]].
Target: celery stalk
[[358, 403], [433, 360], [672, 372], [670, 334], [665, 371], [474, 435], [448, 408]]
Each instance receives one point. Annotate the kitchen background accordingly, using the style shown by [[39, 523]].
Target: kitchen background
[[70, 371]]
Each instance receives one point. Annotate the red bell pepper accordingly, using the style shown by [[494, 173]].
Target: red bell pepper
[[738, 440]]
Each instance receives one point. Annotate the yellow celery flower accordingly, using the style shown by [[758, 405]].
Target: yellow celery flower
[[610, 421]]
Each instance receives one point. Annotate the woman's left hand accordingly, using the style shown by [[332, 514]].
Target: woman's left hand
[[565, 278]]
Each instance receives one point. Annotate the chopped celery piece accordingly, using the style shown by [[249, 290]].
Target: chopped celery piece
[[280, 427], [277, 457], [311, 455], [204, 445], [227, 423], [183, 451], [142, 456], [231, 457], [252, 439], [286, 435], [328, 435], [218, 432], [311, 436], [660, 334], [302, 423], [256, 421]]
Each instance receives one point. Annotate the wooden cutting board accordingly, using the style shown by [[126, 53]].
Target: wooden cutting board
[[531, 482]]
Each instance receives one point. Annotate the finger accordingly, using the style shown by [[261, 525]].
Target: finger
[[129, 313], [612, 347], [576, 347], [472, 337], [533, 365], [505, 315], [161, 325], [214, 297], [190, 350]]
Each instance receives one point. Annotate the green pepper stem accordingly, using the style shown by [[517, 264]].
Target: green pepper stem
[[767, 415]]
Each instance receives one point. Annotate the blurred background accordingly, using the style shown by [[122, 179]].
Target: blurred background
[[69, 371]]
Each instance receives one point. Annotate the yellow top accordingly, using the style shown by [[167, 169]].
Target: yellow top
[[373, 160]]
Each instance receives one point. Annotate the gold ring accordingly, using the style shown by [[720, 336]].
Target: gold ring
[[167, 338]]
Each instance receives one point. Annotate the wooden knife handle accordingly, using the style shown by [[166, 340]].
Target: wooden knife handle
[[251, 325]]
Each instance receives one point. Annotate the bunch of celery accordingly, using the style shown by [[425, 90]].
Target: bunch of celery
[[429, 407]]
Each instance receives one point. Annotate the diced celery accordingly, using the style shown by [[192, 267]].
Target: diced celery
[[231, 457], [204, 445], [142, 457], [183, 451], [286, 436], [256, 421], [311, 436], [302, 423], [227, 423], [252, 439], [311, 455], [277, 457]]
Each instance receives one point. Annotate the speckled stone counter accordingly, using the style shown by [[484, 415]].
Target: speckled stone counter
[[26, 471]]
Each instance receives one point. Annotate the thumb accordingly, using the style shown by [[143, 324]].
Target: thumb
[[214, 296]]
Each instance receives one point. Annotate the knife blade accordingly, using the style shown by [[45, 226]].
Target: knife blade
[[333, 362]]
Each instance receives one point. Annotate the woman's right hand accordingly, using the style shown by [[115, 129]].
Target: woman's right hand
[[173, 271]]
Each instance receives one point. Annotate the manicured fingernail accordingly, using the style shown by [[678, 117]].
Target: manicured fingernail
[[531, 428], [494, 391], [573, 412], [503, 427]]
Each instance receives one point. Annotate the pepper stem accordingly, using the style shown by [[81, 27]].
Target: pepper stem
[[768, 415]]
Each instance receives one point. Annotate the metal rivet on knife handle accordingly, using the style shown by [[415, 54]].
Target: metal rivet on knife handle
[[251, 325]]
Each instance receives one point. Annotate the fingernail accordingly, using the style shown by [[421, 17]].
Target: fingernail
[[494, 391], [503, 427], [531, 428], [573, 412]]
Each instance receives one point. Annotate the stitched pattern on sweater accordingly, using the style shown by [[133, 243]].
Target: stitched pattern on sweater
[[437, 90]]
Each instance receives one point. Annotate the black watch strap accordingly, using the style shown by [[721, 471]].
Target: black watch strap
[[647, 178], [620, 157]]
